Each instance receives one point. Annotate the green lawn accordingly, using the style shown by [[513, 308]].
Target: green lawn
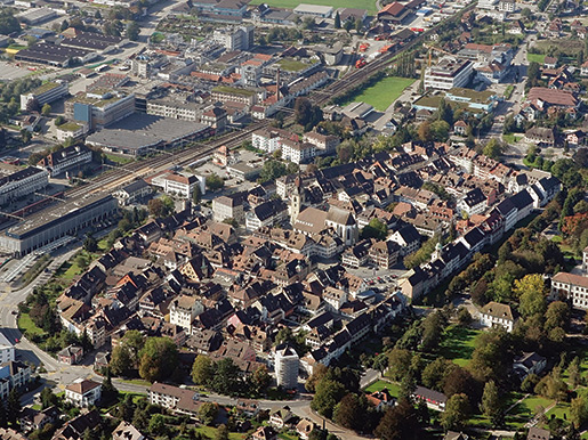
[[210, 432], [370, 5], [560, 411], [26, 325], [538, 58], [393, 389], [288, 436], [458, 344], [118, 159], [511, 138], [383, 93]]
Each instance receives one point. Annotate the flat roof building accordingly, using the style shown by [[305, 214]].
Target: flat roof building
[[138, 133], [47, 226], [449, 73], [313, 10]]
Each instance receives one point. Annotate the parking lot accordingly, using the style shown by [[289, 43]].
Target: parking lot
[[9, 72]]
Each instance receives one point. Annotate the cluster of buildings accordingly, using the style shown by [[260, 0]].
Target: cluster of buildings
[[13, 374]]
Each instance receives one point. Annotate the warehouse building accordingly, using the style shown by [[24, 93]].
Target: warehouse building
[[54, 55], [94, 42], [52, 224], [137, 134], [35, 16]]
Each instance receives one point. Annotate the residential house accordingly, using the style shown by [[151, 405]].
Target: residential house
[[529, 363], [304, 428], [83, 393], [126, 431], [71, 354], [496, 314]]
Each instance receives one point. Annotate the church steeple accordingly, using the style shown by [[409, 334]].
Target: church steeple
[[298, 199]]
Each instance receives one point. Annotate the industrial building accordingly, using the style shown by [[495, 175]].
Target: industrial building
[[100, 108], [54, 55], [94, 42], [37, 15], [139, 133], [22, 183], [45, 94], [47, 226]]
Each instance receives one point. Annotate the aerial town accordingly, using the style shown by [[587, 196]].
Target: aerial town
[[332, 220]]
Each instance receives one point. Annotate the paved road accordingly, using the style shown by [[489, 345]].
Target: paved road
[[9, 300]]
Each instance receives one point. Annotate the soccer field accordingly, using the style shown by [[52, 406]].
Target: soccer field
[[370, 5], [383, 93]]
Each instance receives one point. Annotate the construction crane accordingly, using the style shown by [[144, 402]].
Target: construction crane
[[431, 49]]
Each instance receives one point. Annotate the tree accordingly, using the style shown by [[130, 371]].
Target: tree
[[48, 398], [214, 182], [574, 372], [579, 411], [493, 149], [358, 25], [491, 356], [434, 374], [491, 406], [46, 110], [526, 13], [157, 207], [328, 394], [425, 134], [557, 315], [337, 21], [202, 370], [222, 433], [399, 361], [13, 407], [90, 244], [375, 229], [348, 25], [457, 411], [318, 373], [197, 195], [432, 330], [159, 359], [532, 295], [399, 423], [109, 391], [208, 413], [33, 105], [121, 362], [260, 379], [226, 378], [157, 425], [26, 136], [133, 31], [348, 412]]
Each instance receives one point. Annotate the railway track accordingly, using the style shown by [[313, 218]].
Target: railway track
[[117, 178]]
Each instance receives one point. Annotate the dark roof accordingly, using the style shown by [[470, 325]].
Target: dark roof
[[521, 200], [269, 209], [430, 395], [474, 197], [409, 234], [137, 185]]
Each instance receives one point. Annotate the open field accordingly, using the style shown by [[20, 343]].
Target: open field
[[383, 93], [210, 432], [458, 344], [393, 388], [26, 325], [535, 57], [370, 5]]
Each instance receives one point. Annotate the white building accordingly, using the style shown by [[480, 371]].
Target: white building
[[83, 393], [70, 130], [496, 314], [450, 72], [183, 310], [6, 349], [269, 140], [177, 184], [297, 152], [286, 367], [568, 286]]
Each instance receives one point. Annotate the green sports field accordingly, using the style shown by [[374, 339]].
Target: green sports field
[[370, 5], [383, 93]]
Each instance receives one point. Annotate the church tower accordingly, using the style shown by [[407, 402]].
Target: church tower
[[298, 199]]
